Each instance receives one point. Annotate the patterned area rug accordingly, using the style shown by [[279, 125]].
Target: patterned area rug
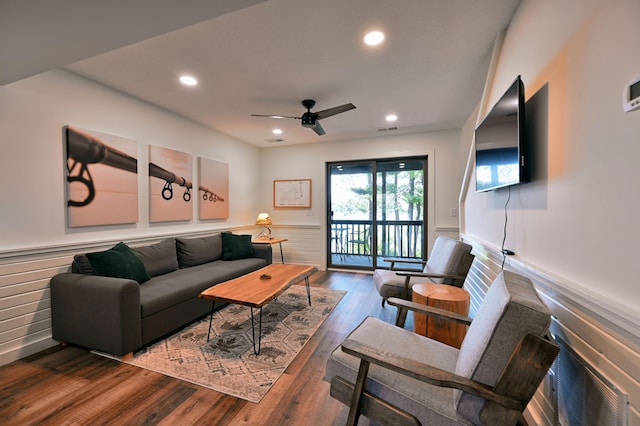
[[227, 362]]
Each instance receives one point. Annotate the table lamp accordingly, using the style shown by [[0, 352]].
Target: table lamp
[[264, 220]]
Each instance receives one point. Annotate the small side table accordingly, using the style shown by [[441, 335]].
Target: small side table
[[441, 296], [271, 241]]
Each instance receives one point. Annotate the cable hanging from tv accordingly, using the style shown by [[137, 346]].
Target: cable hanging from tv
[[84, 149]]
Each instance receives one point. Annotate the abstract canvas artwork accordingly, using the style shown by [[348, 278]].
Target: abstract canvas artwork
[[102, 178], [170, 185], [213, 189]]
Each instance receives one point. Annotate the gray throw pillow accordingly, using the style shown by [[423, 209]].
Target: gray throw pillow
[[196, 251], [159, 258]]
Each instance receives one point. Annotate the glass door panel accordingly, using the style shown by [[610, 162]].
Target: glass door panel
[[400, 209], [350, 196]]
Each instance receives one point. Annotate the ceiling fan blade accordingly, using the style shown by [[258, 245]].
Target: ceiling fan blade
[[318, 129], [274, 116], [335, 110]]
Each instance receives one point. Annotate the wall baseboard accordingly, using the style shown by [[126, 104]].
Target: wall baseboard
[[24, 350]]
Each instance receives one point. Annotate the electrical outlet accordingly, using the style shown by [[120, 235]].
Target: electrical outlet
[[453, 212]]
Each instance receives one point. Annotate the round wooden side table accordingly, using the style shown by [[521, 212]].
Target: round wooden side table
[[441, 296]]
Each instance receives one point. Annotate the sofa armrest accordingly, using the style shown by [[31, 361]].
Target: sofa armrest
[[100, 313], [263, 251]]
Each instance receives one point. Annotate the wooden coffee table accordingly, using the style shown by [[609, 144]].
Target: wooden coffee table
[[256, 290]]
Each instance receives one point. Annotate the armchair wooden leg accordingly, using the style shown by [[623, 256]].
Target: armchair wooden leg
[[356, 399], [377, 410], [401, 317]]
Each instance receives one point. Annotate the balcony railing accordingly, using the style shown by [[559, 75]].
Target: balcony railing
[[394, 238]]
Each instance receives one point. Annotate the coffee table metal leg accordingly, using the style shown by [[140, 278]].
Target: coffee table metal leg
[[253, 333], [306, 281], [213, 305]]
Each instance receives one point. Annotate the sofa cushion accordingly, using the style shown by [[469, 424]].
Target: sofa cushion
[[167, 290], [118, 262], [159, 258], [236, 246], [196, 251]]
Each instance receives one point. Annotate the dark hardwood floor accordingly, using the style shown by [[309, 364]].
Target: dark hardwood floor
[[68, 385]]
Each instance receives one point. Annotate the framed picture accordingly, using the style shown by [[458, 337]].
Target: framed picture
[[292, 194]]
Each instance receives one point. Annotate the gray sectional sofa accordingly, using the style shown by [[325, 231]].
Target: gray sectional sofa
[[121, 299]]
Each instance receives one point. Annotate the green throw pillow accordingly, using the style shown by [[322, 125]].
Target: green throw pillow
[[236, 246], [118, 262]]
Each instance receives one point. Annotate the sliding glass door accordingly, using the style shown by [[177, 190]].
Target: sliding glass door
[[376, 210]]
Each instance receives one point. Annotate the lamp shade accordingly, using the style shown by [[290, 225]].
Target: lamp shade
[[263, 219]]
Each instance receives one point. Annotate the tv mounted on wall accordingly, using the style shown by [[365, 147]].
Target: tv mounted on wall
[[502, 157]]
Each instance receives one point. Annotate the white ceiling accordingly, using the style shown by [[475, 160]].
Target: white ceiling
[[266, 58]]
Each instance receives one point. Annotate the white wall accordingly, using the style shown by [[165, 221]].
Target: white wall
[[575, 227], [578, 217], [445, 169], [32, 115]]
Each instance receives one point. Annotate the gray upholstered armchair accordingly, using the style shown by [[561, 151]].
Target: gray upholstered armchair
[[448, 263], [393, 376]]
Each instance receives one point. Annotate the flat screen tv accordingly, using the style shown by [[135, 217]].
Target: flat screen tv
[[501, 148]]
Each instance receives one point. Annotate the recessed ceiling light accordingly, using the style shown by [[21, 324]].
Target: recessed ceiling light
[[277, 131], [188, 80], [374, 38], [391, 117]]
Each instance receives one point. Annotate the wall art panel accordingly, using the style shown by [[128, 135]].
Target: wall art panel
[[102, 178], [213, 189], [170, 186]]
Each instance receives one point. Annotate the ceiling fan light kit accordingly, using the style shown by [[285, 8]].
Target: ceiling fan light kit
[[310, 119]]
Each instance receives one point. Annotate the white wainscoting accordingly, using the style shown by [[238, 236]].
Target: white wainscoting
[[305, 246], [25, 308], [604, 337], [447, 231]]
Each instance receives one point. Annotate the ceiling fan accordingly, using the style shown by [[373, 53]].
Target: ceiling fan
[[311, 119]]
